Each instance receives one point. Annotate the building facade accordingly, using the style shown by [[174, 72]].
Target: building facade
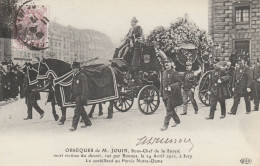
[[70, 44], [64, 43], [235, 26], [5, 49]]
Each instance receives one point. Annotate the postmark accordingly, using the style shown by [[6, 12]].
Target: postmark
[[31, 26]]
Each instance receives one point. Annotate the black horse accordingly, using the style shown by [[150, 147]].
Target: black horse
[[102, 82]]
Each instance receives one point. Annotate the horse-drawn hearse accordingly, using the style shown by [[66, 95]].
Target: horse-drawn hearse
[[142, 70], [137, 76]]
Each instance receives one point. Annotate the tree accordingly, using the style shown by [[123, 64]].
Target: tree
[[7, 12]]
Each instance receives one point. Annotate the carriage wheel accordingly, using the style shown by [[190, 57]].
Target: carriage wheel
[[124, 103], [148, 99], [204, 89]]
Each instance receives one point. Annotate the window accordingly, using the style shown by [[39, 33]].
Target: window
[[242, 46], [242, 14]]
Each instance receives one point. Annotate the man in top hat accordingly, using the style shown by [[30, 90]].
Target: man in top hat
[[256, 84], [134, 32], [218, 89], [79, 92], [171, 93], [241, 85], [189, 83]]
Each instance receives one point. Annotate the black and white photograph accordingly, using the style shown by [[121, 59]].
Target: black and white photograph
[[129, 82]]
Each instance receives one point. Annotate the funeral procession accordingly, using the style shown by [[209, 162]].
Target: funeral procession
[[59, 77]]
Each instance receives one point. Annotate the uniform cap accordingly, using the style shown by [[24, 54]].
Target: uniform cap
[[75, 65], [134, 19]]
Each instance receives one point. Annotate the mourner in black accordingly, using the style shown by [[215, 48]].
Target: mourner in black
[[219, 90], [242, 82], [189, 83], [14, 82], [79, 92], [171, 93], [256, 84], [31, 98]]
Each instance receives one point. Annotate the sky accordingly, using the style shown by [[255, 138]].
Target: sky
[[112, 17]]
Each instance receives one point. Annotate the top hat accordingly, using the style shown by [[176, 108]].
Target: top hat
[[134, 19], [75, 65]]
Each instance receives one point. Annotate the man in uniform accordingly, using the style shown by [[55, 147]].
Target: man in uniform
[[134, 32], [171, 93], [219, 89], [189, 84], [242, 82], [31, 97], [79, 92], [256, 84]]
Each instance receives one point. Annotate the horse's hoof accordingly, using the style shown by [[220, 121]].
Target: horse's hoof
[[56, 117], [61, 123], [109, 117]]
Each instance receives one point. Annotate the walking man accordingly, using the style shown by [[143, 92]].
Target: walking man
[[219, 90], [79, 92], [171, 93], [31, 97], [256, 84], [242, 82], [189, 84]]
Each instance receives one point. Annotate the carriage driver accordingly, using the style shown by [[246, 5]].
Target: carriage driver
[[189, 84], [79, 92], [134, 32], [171, 93]]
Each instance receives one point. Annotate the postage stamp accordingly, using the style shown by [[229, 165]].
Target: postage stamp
[[31, 27]]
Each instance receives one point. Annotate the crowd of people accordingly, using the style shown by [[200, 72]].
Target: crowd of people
[[11, 81], [225, 81]]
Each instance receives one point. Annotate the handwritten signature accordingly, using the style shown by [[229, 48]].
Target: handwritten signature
[[157, 140]]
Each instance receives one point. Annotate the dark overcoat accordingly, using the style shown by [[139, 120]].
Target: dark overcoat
[[242, 79], [172, 87], [219, 90], [30, 96], [256, 82], [79, 87]]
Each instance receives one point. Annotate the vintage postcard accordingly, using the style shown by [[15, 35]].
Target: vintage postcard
[[129, 82]]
